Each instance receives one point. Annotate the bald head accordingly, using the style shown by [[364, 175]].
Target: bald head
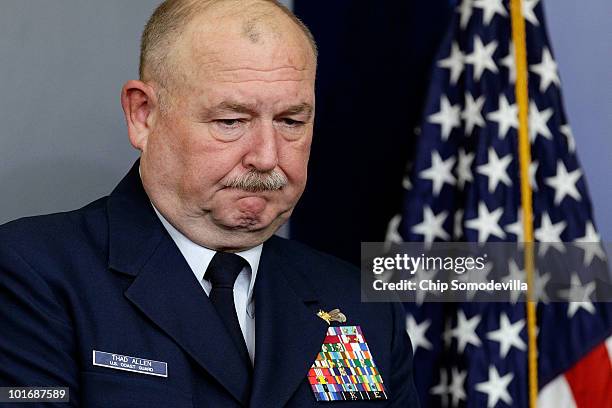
[[171, 29]]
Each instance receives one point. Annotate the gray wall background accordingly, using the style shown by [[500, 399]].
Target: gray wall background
[[63, 141], [581, 36]]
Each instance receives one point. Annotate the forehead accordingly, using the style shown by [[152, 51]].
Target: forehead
[[222, 43], [249, 91]]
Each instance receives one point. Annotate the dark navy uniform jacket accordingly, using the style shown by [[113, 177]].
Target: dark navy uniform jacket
[[108, 277]]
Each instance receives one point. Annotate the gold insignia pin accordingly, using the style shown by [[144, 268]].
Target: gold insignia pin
[[332, 316]]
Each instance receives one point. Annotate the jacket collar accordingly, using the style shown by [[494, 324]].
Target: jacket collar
[[134, 229]]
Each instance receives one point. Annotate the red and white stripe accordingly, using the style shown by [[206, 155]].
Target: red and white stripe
[[587, 384]]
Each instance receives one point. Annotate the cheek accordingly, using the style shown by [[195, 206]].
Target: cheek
[[194, 163], [293, 159], [206, 170]]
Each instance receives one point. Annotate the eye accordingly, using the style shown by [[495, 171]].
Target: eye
[[291, 122], [290, 128], [229, 123], [229, 129]]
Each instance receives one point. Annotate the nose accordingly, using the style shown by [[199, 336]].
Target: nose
[[262, 154]]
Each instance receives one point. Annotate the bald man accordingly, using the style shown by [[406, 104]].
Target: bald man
[[173, 291]]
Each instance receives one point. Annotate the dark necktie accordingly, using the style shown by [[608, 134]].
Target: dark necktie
[[222, 272]]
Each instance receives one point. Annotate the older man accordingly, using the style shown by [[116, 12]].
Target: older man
[[172, 291]]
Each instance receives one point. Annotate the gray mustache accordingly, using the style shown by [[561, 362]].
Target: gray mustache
[[255, 181]]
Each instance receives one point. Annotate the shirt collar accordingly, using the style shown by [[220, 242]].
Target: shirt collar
[[199, 257]]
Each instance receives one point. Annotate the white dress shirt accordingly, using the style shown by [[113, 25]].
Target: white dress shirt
[[198, 258]]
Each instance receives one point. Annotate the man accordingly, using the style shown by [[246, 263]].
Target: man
[[172, 291]]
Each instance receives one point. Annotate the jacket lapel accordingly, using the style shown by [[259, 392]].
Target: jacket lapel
[[165, 289], [288, 332]]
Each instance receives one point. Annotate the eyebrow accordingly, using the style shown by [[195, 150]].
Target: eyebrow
[[235, 107], [302, 108]]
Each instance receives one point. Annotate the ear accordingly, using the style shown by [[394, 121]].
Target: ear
[[139, 104]]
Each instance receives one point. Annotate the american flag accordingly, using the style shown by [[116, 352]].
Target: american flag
[[464, 185]]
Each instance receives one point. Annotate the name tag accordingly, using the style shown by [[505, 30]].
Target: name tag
[[128, 363]]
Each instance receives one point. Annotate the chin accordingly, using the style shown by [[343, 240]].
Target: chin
[[243, 219], [252, 223], [240, 240], [236, 232], [259, 223]]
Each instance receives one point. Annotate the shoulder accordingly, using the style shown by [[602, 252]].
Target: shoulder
[[39, 257], [54, 233]]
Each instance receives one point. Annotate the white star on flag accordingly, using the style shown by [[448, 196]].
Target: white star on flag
[[465, 9], [517, 227], [440, 172], [496, 170], [538, 122], [441, 388], [528, 7], [508, 335], [546, 70], [419, 275], [465, 331], [417, 333], [472, 113], [590, 243], [454, 63], [432, 226], [506, 116], [487, 223], [566, 130], [482, 57], [393, 236], [489, 9], [464, 168], [456, 388], [447, 117], [539, 287], [515, 274], [476, 276], [549, 234], [564, 183], [578, 290], [496, 387], [406, 183], [509, 61]]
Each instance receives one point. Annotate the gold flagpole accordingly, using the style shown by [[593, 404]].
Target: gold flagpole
[[522, 100]]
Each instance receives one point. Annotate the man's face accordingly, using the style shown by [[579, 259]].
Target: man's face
[[238, 107]]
